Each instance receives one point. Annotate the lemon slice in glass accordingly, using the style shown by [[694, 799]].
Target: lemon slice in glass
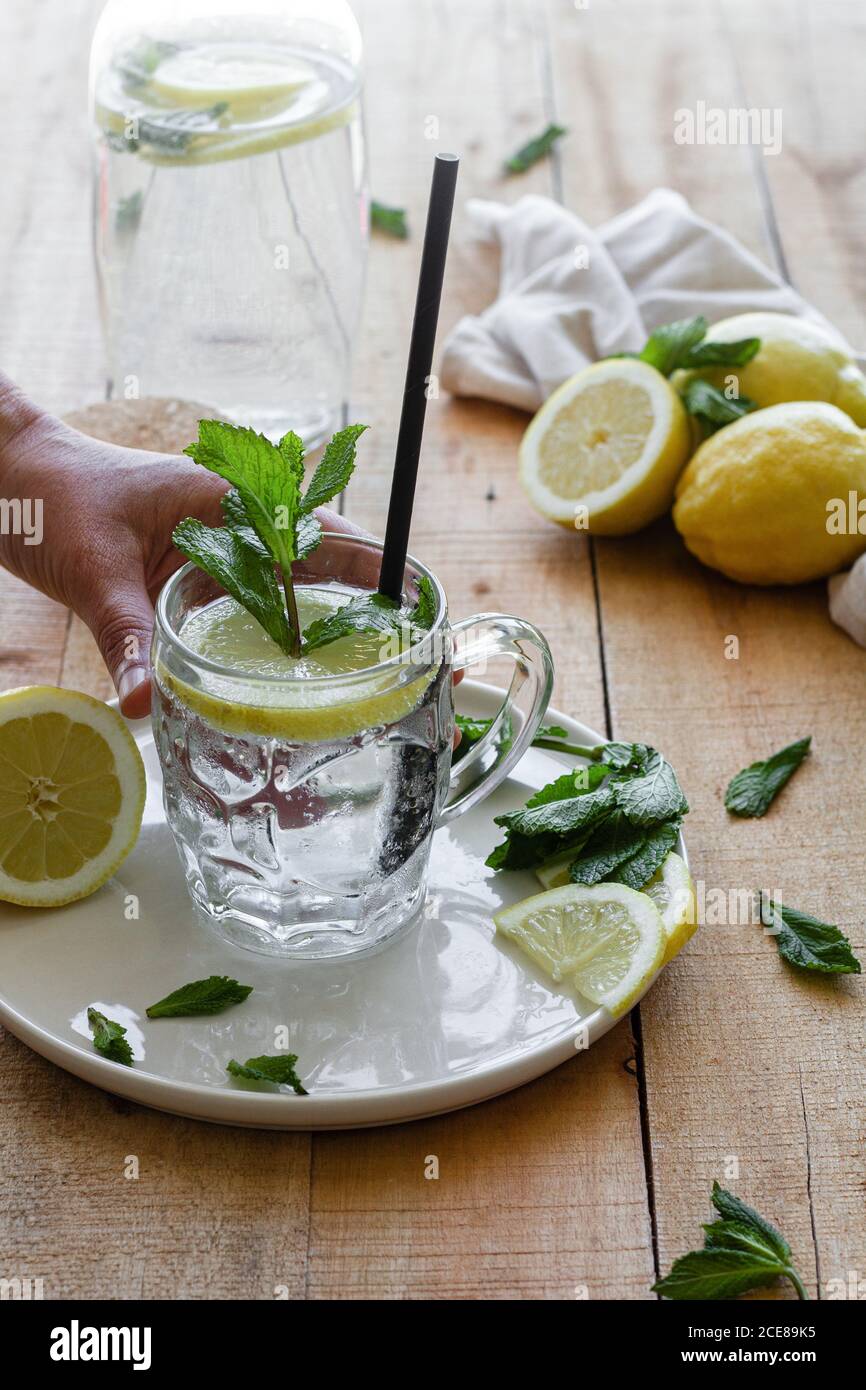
[[72, 793], [604, 453], [250, 77], [673, 892], [607, 941]]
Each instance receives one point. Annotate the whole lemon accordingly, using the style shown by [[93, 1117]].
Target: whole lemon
[[797, 361], [773, 498]]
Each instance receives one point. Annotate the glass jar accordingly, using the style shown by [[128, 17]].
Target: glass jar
[[230, 208]]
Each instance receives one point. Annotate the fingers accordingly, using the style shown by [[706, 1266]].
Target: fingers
[[120, 616]]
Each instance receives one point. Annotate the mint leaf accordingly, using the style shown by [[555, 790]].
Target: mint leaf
[[423, 612], [366, 613], [615, 841], [279, 1070], [808, 944], [734, 1209], [267, 479], [534, 149], [654, 848], [711, 407], [652, 795], [753, 790], [208, 996], [333, 470], [624, 757], [711, 353], [559, 817], [389, 220], [242, 567], [669, 346], [109, 1038], [718, 1273], [743, 1251]]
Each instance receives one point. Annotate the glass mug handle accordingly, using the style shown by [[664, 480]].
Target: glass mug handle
[[491, 759]]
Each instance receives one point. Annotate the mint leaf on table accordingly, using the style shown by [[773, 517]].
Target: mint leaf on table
[[390, 220], [534, 150], [241, 567], [808, 944], [742, 1251], [109, 1038], [279, 1070], [753, 790], [208, 996], [712, 407]]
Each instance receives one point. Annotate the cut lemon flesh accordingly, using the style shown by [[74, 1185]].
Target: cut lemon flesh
[[245, 75], [673, 892], [607, 941], [72, 793], [604, 452]]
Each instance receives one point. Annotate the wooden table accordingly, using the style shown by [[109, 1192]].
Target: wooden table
[[592, 1179]]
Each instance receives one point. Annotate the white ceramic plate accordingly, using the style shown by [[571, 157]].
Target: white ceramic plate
[[443, 1017]]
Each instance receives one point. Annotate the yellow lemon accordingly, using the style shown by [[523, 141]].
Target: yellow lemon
[[71, 795], [797, 361], [604, 452], [767, 500], [673, 892]]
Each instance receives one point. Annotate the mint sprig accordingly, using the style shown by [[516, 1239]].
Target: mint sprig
[[742, 1251], [278, 1070], [752, 791], [683, 346], [269, 521], [374, 613], [208, 996], [806, 943], [618, 818], [109, 1038]]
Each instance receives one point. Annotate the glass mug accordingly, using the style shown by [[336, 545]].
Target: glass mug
[[303, 808]]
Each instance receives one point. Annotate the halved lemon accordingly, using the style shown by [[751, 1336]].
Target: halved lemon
[[71, 795], [603, 454], [607, 941], [673, 892]]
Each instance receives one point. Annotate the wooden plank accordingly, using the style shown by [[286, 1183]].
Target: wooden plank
[[740, 1056], [544, 1189], [68, 1214]]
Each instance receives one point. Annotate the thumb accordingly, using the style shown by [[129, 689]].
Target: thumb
[[121, 619]]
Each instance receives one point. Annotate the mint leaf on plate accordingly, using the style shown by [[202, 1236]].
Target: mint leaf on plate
[[390, 220], [753, 790], [534, 149], [109, 1038], [742, 1251], [279, 1070], [808, 944], [653, 794], [208, 996]]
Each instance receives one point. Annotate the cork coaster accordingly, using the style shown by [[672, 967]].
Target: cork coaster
[[156, 423]]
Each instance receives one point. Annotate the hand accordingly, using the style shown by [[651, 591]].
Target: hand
[[107, 518]]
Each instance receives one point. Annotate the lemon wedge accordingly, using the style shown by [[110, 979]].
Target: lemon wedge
[[603, 454], [71, 795], [673, 892], [607, 941]]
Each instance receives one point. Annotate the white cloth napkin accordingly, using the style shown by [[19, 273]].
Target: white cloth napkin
[[569, 295]]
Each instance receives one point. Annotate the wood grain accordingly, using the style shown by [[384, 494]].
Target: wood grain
[[739, 1069]]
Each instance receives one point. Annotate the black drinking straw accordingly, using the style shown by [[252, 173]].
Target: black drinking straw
[[417, 375]]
